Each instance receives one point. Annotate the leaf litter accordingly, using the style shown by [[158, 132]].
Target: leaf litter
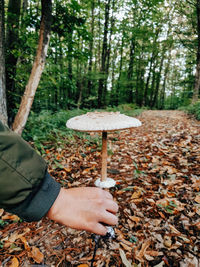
[[156, 167]]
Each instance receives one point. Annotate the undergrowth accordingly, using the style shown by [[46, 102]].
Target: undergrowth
[[49, 127], [193, 109]]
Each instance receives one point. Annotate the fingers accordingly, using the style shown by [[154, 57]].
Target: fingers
[[100, 229], [111, 206], [108, 194], [100, 193], [109, 218]]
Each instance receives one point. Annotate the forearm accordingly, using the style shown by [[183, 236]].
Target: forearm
[[26, 188], [38, 203]]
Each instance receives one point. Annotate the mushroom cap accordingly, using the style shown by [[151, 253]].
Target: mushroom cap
[[102, 122]]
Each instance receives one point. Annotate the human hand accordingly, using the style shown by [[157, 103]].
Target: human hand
[[84, 208]]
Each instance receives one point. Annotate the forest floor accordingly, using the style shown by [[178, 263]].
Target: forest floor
[[157, 169]]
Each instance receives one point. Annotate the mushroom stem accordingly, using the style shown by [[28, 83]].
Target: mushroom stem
[[104, 157]]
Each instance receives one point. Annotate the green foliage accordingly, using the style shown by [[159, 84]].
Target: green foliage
[[49, 127], [194, 109], [151, 56]]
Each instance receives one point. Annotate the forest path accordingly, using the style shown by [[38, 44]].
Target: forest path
[[168, 115]]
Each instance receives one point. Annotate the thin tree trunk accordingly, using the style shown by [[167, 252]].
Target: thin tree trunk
[[12, 37], [3, 108], [158, 79], [162, 98], [130, 70], [153, 84], [37, 69], [91, 49], [120, 70], [102, 90], [197, 74]]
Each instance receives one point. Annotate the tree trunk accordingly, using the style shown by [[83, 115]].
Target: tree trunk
[[130, 70], [120, 70], [3, 108], [12, 40], [102, 90], [162, 97], [37, 69], [91, 49], [153, 84], [158, 79], [197, 74]]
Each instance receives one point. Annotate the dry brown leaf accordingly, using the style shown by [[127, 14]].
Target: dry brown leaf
[[167, 241], [36, 254], [152, 253], [1, 212], [197, 225], [119, 233], [14, 262], [139, 255], [174, 230], [82, 265], [10, 217], [124, 259], [197, 199], [68, 169], [126, 247], [136, 194], [25, 242], [135, 219], [171, 194]]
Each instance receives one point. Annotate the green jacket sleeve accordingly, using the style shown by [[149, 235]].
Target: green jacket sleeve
[[26, 188]]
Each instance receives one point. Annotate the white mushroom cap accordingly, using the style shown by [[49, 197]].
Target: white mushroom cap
[[102, 121]]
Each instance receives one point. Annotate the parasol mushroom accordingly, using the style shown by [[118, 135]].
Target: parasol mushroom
[[103, 122]]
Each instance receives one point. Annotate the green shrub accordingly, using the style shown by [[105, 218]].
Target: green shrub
[[49, 127], [194, 109]]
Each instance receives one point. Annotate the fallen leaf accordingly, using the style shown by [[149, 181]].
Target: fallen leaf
[[10, 217], [136, 194], [167, 241], [36, 254], [152, 253], [14, 262], [126, 247], [197, 199], [1, 211], [139, 255], [135, 219], [25, 242], [124, 259], [174, 230], [197, 225], [82, 265]]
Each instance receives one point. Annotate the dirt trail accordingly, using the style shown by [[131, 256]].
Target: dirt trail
[[168, 115]]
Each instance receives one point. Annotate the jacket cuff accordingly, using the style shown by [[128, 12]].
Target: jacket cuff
[[34, 207]]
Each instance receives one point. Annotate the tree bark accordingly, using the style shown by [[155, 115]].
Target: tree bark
[[3, 108], [130, 70], [155, 97], [12, 40], [37, 69], [102, 90], [120, 70], [197, 74], [91, 45]]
